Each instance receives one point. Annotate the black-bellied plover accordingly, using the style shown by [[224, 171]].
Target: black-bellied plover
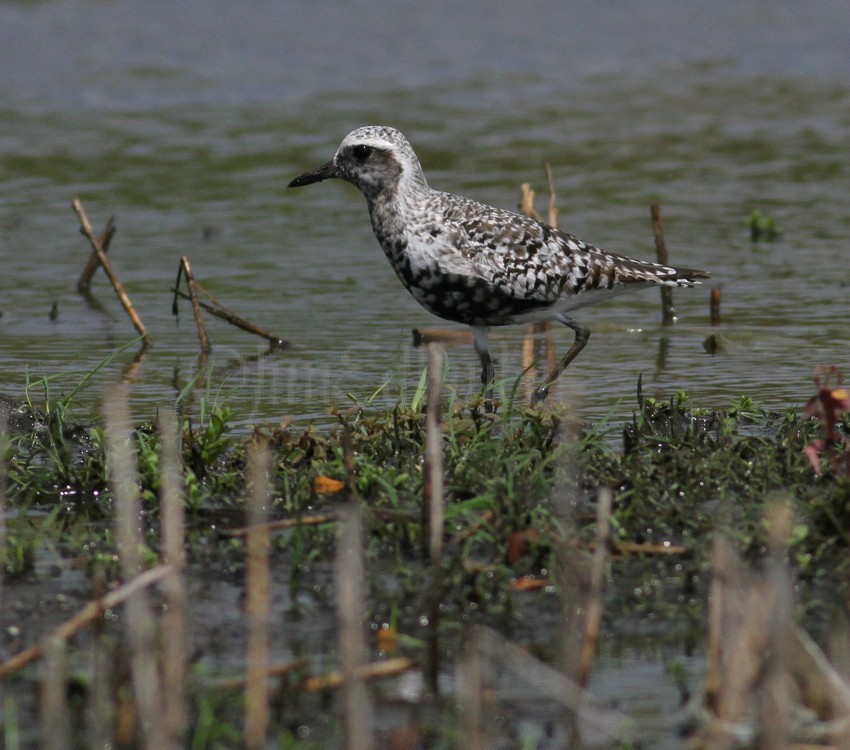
[[475, 264]]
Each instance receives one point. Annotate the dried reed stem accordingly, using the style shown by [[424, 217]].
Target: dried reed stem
[[759, 665], [773, 699], [668, 312], [349, 462], [648, 548], [469, 694], [595, 602], [742, 639], [714, 306], [389, 514], [139, 624], [822, 688], [534, 347], [88, 614], [434, 500], [553, 208], [94, 261], [257, 606], [720, 566], [100, 717], [526, 202], [4, 439], [569, 568], [750, 640], [349, 576], [551, 684], [434, 455], [378, 670], [86, 230], [284, 524], [173, 544], [424, 336], [185, 268], [220, 311], [55, 716], [274, 670]]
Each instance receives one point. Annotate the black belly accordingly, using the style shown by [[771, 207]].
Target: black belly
[[465, 299]]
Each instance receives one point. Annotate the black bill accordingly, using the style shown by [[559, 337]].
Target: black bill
[[326, 172]]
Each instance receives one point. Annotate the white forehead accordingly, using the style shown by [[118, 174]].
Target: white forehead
[[377, 136]]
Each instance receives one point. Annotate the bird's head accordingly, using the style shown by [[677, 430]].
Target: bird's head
[[375, 159]]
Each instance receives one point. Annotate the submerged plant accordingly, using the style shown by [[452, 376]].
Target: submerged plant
[[763, 227]]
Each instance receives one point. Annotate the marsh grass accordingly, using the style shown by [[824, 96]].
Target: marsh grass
[[520, 489]]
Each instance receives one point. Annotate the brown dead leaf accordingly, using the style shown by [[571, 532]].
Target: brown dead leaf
[[526, 583], [387, 639], [323, 485], [520, 543]]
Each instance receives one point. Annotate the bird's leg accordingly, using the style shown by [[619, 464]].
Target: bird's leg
[[582, 336], [488, 372]]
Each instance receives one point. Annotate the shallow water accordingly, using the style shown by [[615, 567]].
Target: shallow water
[[186, 125]]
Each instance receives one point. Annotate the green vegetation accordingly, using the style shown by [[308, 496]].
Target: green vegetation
[[763, 227], [686, 469], [519, 485]]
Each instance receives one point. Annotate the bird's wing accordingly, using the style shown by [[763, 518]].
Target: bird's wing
[[533, 261]]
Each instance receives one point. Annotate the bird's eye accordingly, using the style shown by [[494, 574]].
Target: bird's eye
[[362, 152]]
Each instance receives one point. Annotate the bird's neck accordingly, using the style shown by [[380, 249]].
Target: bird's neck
[[393, 209], [388, 214]]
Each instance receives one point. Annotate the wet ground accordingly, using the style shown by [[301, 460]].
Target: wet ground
[[685, 474]]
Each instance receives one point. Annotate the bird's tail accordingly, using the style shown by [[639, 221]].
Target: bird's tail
[[686, 277]]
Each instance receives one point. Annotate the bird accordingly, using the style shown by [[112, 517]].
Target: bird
[[480, 265]]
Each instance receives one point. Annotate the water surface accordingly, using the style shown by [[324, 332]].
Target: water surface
[[186, 123]]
